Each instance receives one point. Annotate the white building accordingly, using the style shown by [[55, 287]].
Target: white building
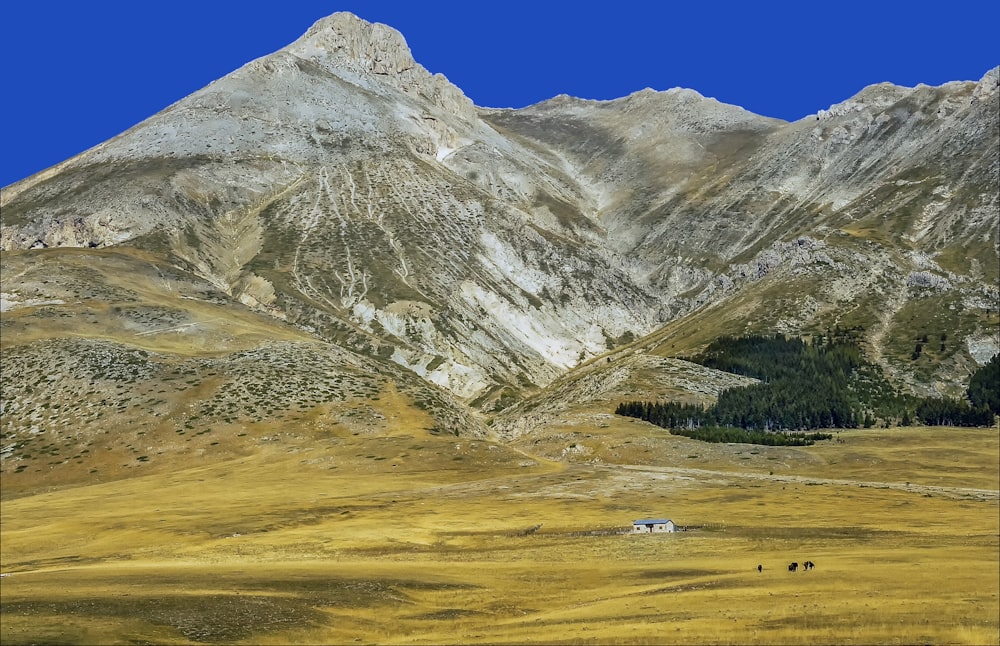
[[653, 526]]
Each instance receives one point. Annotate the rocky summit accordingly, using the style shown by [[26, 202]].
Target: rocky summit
[[333, 220]]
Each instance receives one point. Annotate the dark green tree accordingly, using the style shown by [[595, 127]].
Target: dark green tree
[[984, 386]]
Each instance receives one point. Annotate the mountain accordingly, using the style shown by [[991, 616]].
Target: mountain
[[333, 224]]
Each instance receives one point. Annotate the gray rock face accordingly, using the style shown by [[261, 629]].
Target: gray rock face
[[344, 44], [340, 186]]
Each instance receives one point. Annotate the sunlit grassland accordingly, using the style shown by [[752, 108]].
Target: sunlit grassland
[[123, 295], [407, 537]]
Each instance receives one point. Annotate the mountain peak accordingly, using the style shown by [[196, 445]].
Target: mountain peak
[[347, 45], [343, 39]]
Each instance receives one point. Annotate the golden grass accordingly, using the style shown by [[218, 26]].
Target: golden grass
[[94, 283], [393, 539]]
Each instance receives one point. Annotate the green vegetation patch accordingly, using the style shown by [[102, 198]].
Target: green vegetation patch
[[823, 384], [984, 386], [717, 434]]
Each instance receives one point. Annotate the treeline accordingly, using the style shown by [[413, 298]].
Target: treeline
[[756, 416], [984, 386], [719, 434], [775, 358], [935, 411], [982, 402], [805, 386], [699, 423]]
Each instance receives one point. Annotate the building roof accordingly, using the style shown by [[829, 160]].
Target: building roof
[[652, 521]]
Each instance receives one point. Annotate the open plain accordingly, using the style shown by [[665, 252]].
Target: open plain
[[337, 536]]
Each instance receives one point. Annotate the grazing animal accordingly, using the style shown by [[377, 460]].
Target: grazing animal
[[760, 568], [808, 565], [792, 567]]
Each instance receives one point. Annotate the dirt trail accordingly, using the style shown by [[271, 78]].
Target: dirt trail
[[550, 464], [952, 492]]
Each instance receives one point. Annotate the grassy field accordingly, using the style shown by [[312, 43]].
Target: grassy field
[[407, 537]]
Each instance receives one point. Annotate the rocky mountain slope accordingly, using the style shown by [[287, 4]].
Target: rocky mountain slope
[[335, 214]]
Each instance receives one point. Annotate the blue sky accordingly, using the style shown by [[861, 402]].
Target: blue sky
[[78, 73]]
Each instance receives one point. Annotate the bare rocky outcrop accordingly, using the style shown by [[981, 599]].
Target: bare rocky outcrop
[[345, 43]]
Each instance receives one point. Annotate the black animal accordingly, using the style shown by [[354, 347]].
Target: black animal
[[808, 565], [792, 567], [760, 568]]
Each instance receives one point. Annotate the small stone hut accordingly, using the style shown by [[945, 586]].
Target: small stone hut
[[653, 526]]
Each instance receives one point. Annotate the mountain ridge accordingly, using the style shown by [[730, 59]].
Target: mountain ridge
[[340, 190]]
